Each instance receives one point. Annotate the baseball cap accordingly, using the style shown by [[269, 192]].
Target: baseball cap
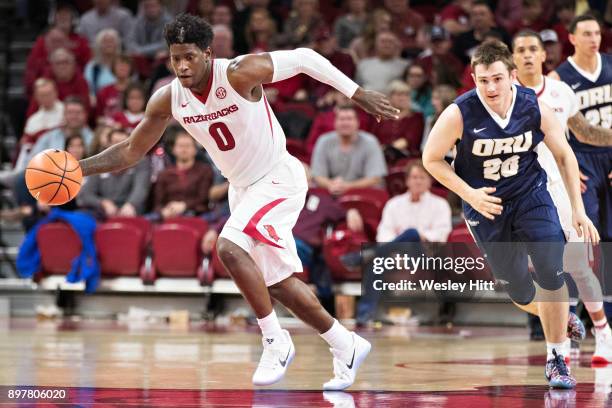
[[549, 36], [439, 33]]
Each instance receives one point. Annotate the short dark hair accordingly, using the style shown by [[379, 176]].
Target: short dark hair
[[417, 163], [490, 52], [74, 100], [581, 18], [188, 29], [528, 33], [346, 107]]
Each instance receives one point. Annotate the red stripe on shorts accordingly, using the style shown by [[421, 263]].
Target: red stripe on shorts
[[251, 227]]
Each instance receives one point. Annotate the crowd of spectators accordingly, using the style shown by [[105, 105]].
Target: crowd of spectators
[[92, 69]]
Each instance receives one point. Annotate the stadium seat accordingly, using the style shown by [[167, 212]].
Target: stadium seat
[[440, 191], [139, 222], [176, 248], [369, 202], [463, 245], [395, 181], [59, 245], [121, 249], [297, 149]]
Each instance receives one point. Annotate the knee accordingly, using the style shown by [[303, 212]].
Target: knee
[[226, 250]]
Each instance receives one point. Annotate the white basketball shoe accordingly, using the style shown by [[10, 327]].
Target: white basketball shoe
[[603, 349], [346, 364], [275, 359]]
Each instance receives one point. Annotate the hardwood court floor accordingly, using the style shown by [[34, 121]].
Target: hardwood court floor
[[109, 364]]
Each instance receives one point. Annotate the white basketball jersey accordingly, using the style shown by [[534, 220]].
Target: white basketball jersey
[[243, 138], [563, 101]]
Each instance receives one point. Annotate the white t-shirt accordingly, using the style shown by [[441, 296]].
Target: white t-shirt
[[243, 138], [43, 120], [563, 101], [430, 216]]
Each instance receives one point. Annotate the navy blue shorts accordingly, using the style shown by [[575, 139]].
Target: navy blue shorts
[[528, 225]]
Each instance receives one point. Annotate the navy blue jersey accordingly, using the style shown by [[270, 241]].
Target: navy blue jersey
[[489, 156], [595, 98]]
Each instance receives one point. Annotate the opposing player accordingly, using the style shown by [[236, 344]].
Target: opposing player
[[529, 55], [221, 104], [589, 73], [496, 173]]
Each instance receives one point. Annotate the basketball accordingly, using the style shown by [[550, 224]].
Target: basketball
[[53, 177]]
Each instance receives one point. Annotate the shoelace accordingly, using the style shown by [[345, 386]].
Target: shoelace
[[559, 363]]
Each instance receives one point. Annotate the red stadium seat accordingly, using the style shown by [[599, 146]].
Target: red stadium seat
[[369, 202], [298, 149], [59, 245], [139, 222], [440, 191], [340, 242], [121, 249], [463, 245], [395, 181], [176, 248]]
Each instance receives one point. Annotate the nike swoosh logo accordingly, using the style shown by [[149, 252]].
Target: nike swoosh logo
[[184, 104], [275, 182], [350, 366], [284, 362], [479, 130], [576, 85], [559, 273]]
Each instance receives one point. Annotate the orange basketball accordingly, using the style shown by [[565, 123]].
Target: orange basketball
[[53, 177]]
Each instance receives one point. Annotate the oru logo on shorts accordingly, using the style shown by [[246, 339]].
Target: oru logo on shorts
[[271, 232]]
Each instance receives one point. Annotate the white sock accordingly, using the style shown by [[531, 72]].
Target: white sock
[[602, 327], [549, 349], [338, 337], [270, 327]]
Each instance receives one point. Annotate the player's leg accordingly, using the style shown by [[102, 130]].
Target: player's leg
[[349, 349]]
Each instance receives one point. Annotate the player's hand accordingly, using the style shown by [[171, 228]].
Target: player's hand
[[583, 225], [482, 201], [583, 180], [376, 104]]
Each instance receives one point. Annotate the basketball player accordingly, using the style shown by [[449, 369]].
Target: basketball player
[[496, 173], [589, 74], [529, 55], [221, 103]]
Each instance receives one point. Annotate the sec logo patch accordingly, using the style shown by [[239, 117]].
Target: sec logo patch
[[221, 92]]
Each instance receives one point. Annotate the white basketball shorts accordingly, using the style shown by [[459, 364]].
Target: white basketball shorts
[[267, 211]]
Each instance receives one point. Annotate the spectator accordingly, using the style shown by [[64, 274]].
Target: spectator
[[146, 36], [50, 113], [482, 21], [405, 23], [376, 72], [455, 17], [134, 103], [303, 23], [98, 71], [406, 133], [363, 46], [565, 12], [146, 42], [222, 15], [162, 75], [240, 21], [60, 35], [415, 216], [347, 157], [513, 15], [441, 97], [67, 77], [260, 31], [183, 188], [75, 123], [351, 25], [421, 89], [108, 99], [553, 50], [326, 44], [440, 55], [121, 193], [223, 42], [325, 120], [204, 9], [103, 16], [101, 139]]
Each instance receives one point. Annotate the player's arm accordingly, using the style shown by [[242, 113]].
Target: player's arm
[[447, 130], [248, 72], [587, 133], [555, 140], [141, 140]]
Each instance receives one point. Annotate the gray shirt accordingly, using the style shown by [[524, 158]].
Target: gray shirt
[[147, 36], [375, 74], [364, 159], [92, 23], [128, 186]]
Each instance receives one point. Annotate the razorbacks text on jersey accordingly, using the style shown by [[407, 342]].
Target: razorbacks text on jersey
[[594, 93], [496, 152], [243, 138]]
